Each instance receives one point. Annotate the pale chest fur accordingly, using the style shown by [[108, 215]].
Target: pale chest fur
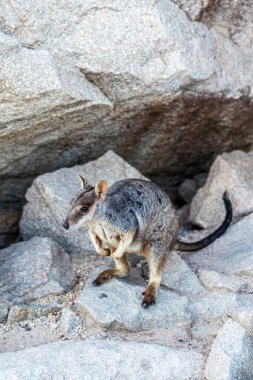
[[112, 238]]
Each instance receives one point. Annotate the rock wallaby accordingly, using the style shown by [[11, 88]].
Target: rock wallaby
[[133, 216]]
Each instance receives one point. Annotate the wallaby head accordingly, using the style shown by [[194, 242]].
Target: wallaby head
[[83, 204]]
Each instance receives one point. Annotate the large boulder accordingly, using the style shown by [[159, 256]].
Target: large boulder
[[231, 172], [231, 356], [117, 304], [141, 78], [33, 269], [50, 195], [231, 254], [94, 359]]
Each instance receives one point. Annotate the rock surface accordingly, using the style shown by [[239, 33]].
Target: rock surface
[[231, 356], [200, 291], [231, 172], [234, 19], [231, 254], [32, 269], [141, 78], [93, 359], [211, 306], [244, 316], [188, 189], [69, 322], [178, 276], [24, 312], [117, 304], [214, 281], [49, 197]]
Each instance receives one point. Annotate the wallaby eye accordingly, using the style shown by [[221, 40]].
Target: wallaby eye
[[84, 209]]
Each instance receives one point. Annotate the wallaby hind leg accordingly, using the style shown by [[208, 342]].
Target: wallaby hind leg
[[121, 270], [156, 265]]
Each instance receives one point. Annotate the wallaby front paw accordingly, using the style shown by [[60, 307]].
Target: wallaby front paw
[[104, 252], [149, 297]]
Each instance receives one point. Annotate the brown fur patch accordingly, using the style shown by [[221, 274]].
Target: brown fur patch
[[161, 263], [144, 250]]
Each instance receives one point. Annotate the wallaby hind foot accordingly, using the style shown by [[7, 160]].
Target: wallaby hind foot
[[149, 296]]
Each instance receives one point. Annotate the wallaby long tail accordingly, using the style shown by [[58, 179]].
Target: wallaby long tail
[[183, 246]]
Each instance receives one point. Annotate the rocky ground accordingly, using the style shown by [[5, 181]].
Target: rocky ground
[[55, 324]]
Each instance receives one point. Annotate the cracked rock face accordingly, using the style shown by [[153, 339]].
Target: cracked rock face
[[230, 255], [141, 78], [33, 269], [50, 195]]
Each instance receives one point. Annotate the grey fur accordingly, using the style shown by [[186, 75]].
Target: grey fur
[[139, 206]]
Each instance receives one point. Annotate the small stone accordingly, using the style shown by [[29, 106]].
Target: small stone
[[183, 214], [103, 335], [69, 321], [188, 189], [19, 313], [33, 269], [231, 356], [121, 308]]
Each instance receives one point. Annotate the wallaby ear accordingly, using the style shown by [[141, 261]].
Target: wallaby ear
[[83, 181], [101, 188]]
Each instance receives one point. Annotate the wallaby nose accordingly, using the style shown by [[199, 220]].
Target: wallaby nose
[[66, 225]]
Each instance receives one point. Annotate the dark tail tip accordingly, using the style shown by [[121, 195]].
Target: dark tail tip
[[225, 196], [229, 209]]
